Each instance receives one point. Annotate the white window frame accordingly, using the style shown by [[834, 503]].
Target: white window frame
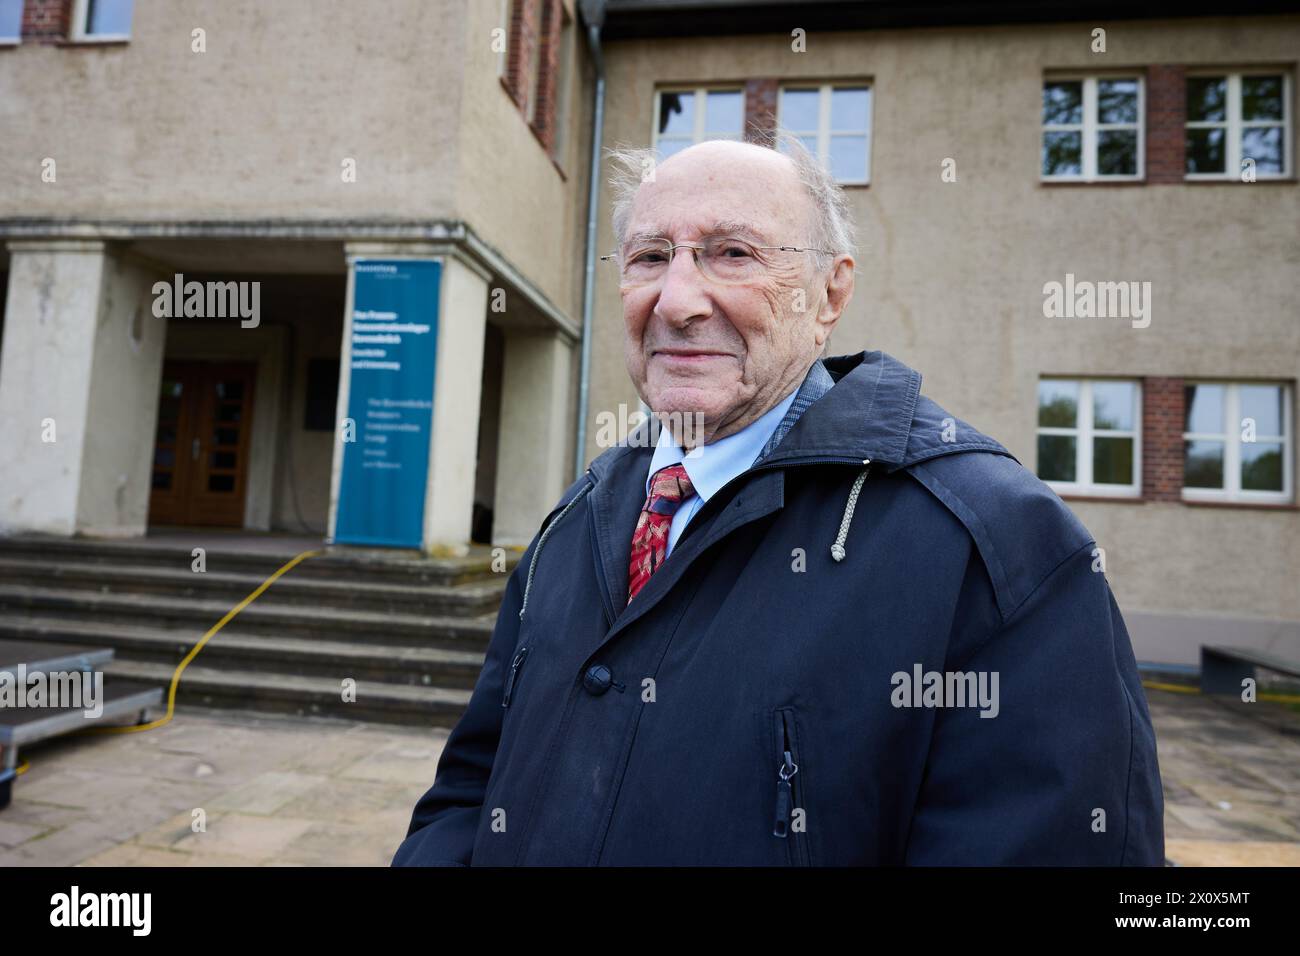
[[17, 38], [1233, 125], [1083, 433], [80, 10], [823, 132], [1090, 128], [701, 93], [1232, 490]]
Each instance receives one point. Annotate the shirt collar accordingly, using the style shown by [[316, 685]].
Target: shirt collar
[[712, 465]]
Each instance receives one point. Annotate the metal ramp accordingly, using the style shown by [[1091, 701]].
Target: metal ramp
[[21, 726]]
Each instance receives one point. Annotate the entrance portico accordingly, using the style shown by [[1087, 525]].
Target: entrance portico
[[118, 418]]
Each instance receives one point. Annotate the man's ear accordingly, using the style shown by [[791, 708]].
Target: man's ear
[[839, 289]]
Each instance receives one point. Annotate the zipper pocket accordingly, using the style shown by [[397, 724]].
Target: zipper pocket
[[789, 788], [511, 677]]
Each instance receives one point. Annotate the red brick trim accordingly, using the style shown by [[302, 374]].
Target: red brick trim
[[1162, 438], [1104, 499], [1166, 116], [524, 27], [548, 79], [46, 21], [760, 110]]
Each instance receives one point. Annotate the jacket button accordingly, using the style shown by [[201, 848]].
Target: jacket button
[[597, 679]]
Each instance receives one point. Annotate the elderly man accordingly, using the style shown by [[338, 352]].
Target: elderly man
[[829, 624]]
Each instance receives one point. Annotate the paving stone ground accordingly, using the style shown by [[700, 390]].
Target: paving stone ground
[[295, 791]]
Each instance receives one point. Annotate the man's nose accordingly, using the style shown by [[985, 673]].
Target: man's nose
[[684, 293]]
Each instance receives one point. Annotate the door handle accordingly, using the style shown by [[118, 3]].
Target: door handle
[[194, 450]]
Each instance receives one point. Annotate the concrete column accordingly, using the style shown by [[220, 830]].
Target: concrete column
[[534, 456], [458, 371], [462, 319], [79, 375]]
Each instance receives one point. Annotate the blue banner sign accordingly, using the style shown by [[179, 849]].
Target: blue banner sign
[[390, 403]]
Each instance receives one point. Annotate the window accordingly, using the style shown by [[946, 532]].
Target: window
[[834, 122], [1092, 128], [685, 117], [1237, 442], [1088, 436], [11, 21], [1235, 118], [102, 19]]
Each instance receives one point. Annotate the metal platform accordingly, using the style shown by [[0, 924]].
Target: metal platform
[[21, 726]]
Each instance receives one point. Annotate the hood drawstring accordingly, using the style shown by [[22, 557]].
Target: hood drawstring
[[532, 565], [837, 549]]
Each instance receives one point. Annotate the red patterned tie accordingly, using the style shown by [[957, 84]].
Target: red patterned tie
[[668, 489]]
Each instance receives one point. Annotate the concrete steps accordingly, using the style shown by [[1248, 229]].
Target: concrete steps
[[296, 694], [410, 632]]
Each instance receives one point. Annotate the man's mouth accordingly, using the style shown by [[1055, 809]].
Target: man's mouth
[[688, 355]]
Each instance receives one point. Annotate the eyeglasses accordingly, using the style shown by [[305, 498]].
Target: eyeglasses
[[724, 259]]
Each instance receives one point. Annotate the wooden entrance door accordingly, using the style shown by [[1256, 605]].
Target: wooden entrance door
[[200, 466]]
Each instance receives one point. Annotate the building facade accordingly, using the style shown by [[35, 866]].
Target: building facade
[[1084, 231]]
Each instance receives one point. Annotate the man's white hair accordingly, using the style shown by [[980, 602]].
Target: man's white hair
[[832, 225]]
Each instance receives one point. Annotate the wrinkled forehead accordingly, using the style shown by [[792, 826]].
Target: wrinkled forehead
[[762, 202]]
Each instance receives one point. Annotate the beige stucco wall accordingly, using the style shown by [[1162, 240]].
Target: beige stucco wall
[[517, 197], [256, 127], [950, 275]]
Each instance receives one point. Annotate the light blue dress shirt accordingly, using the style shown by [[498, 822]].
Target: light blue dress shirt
[[712, 465]]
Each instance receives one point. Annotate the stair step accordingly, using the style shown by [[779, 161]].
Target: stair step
[[336, 563], [317, 696], [162, 610], [422, 666], [472, 598]]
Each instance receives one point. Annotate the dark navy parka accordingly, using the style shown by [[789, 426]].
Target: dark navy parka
[[748, 707]]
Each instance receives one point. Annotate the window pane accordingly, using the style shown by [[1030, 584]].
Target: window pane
[[1056, 457], [1261, 466], [1117, 152], [849, 157], [11, 18], [1112, 461], [1204, 409], [1205, 151], [669, 146], [1058, 404], [677, 113], [108, 16], [1203, 464], [1112, 405], [1263, 144], [1062, 154], [221, 482], [1261, 97], [162, 480], [724, 112], [799, 110], [849, 108], [1263, 403], [1062, 102], [1206, 99], [1117, 101]]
